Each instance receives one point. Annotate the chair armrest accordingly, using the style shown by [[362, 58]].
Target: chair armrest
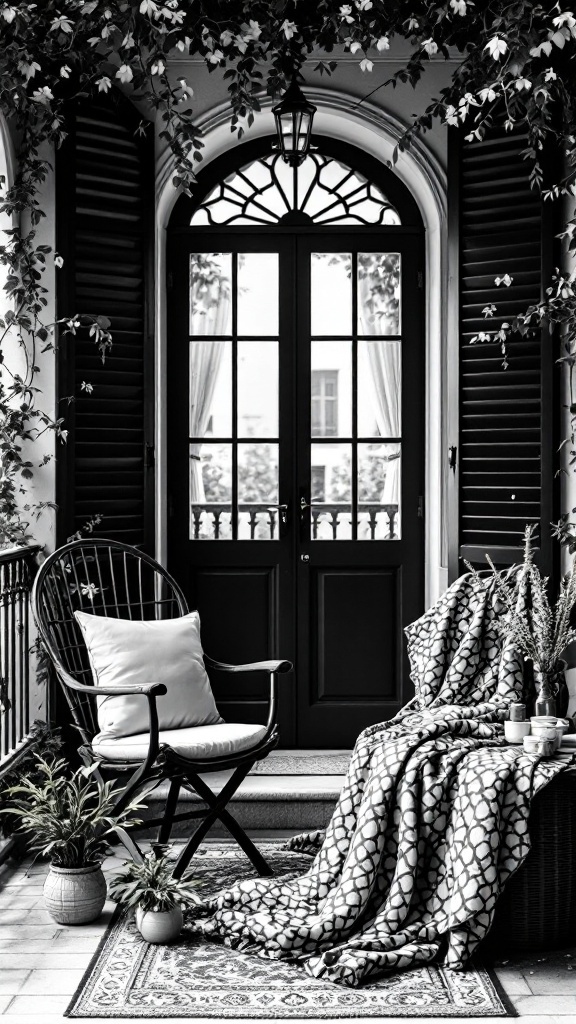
[[253, 666], [272, 667], [146, 689], [149, 690]]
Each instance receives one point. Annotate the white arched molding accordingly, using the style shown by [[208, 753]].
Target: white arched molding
[[376, 132], [7, 171]]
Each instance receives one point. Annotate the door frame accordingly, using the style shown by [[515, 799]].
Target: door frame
[[376, 131]]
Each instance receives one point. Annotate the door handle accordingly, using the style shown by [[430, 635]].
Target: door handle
[[303, 506]]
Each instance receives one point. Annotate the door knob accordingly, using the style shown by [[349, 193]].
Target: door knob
[[305, 559]]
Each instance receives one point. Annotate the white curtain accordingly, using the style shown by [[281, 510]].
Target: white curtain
[[384, 362], [208, 315]]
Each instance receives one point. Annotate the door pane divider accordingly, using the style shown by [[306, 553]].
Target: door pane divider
[[234, 396], [354, 491]]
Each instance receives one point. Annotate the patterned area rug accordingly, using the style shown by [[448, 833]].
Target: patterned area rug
[[193, 978], [300, 764]]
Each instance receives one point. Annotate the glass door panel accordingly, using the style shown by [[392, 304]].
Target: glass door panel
[[210, 291], [331, 509], [331, 293], [378, 281], [210, 491], [233, 485], [257, 388], [258, 293], [355, 396]]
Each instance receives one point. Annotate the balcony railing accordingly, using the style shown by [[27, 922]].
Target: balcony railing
[[329, 521], [16, 574], [338, 518]]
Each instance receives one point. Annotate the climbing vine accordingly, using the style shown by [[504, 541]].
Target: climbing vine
[[512, 64]]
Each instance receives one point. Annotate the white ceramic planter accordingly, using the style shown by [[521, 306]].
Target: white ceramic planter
[[75, 895], [159, 926]]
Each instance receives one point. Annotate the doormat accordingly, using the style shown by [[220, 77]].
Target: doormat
[[303, 764], [193, 978]]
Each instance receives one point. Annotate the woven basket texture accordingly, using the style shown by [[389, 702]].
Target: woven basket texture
[[537, 910]]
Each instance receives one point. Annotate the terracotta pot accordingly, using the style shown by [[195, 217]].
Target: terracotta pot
[[75, 895], [159, 926]]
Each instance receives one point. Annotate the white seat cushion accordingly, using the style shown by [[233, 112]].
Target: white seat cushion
[[202, 742]]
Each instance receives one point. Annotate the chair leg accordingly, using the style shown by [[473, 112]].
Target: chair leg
[[245, 843], [217, 811], [169, 810]]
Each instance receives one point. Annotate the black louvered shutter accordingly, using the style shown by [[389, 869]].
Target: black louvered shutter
[[505, 463], [105, 202]]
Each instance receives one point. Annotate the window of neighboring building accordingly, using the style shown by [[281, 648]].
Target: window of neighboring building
[[324, 403], [318, 483]]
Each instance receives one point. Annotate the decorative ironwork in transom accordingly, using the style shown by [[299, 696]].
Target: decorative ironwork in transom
[[321, 191]]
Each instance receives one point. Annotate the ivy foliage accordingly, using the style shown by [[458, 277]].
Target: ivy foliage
[[512, 64]]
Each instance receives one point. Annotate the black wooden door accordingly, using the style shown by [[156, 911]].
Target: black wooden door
[[296, 480], [231, 539], [359, 540]]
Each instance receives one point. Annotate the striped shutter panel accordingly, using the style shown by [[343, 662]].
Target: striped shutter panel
[[105, 201], [506, 453]]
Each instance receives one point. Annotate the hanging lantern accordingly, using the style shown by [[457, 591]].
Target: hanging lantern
[[294, 115]]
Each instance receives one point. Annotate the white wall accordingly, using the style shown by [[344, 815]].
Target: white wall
[[42, 487]]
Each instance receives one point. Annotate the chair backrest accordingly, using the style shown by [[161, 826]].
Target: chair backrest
[[104, 577]]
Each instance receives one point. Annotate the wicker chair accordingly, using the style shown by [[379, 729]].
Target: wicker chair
[[109, 578]]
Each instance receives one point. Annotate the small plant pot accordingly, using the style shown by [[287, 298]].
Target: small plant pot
[[75, 895], [159, 926]]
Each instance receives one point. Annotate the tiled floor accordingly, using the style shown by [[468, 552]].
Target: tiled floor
[[41, 963]]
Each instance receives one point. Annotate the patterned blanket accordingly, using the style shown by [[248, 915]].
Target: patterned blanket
[[430, 823]]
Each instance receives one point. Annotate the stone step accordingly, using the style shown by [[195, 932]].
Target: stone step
[[276, 796]]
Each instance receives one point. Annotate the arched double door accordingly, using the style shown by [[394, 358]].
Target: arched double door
[[296, 412]]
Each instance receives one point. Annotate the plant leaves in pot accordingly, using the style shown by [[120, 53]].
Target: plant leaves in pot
[[69, 819], [158, 897]]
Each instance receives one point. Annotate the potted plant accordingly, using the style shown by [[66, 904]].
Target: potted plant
[[158, 897], [69, 820], [540, 629]]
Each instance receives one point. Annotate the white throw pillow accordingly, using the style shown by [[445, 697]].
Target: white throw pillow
[[167, 651]]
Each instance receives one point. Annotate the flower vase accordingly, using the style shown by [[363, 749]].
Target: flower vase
[[551, 691]]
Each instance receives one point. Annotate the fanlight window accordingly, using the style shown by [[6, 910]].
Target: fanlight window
[[321, 191]]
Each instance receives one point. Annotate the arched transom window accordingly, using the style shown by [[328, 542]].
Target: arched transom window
[[322, 190]]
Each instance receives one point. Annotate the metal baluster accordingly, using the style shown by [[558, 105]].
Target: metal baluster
[[373, 523], [12, 669], [197, 514], [335, 514], [217, 513], [21, 654], [4, 715], [253, 513], [25, 650], [272, 522]]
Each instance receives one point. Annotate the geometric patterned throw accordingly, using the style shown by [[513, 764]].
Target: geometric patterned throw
[[431, 821], [194, 978]]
